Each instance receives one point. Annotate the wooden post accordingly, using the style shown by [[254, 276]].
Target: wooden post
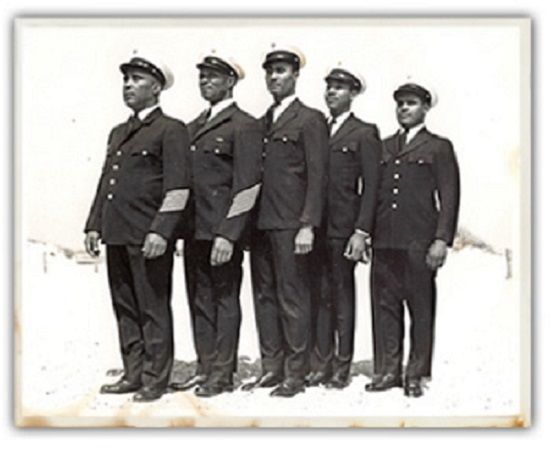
[[45, 262]]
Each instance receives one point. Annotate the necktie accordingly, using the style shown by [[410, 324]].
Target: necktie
[[402, 140], [269, 114], [207, 114], [134, 123], [331, 125]]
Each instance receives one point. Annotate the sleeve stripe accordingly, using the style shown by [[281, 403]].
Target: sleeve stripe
[[244, 201], [174, 200]]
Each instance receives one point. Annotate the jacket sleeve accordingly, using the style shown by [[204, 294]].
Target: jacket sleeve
[[176, 179], [247, 163], [93, 223], [448, 187], [315, 134], [370, 153]]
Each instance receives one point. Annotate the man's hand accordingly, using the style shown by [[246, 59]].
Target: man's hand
[[436, 254], [154, 245], [91, 242], [222, 250], [303, 242], [356, 249]]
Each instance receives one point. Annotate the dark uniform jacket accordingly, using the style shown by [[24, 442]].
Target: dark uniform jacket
[[295, 158], [226, 171], [143, 164], [355, 151], [418, 194]]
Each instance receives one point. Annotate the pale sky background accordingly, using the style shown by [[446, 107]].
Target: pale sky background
[[69, 93]]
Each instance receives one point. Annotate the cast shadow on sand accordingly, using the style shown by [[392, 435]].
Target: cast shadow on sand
[[247, 370]]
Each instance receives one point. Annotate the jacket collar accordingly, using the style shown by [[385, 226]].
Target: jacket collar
[[221, 117], [349, 125], [130, 129], [288, 114], [420, 138]]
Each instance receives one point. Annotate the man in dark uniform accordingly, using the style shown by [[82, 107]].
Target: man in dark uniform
[[294, 170], [143, 189], [416, 220], [226, 146], [355, 150]]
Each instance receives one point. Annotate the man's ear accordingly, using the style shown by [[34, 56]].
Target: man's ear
[[157, 88], [231, 81]]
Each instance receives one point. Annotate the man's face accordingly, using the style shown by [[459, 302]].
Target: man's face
[[280, 79], [140, 89], [410, 110], [215, 86], [338, 96]]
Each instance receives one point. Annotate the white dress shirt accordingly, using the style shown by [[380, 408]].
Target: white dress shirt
[[339, 120], [145, 112], [412, 132], [285, 103], [219, 107]]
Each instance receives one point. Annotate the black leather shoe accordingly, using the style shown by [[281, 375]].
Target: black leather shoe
[[384, 383], [147, 394], [188, 384], [268, 380], [317, 378], [120, 387], [413, 388], [338, 381], [288, 388], [214, 389]]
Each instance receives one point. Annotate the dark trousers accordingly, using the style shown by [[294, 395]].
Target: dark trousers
[[401, 277], [215, 309], [140, 291], [333, 307], [282, 302]]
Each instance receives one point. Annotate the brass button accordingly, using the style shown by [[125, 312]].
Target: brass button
[[396, 176], [285, 139], [193, 148], [216, 151], [266, 140], [344, 149], [394, 206], [398, 161], [395, 190], [115, 167], [144, 152], [119, 153], [110, 196], [112, 181]]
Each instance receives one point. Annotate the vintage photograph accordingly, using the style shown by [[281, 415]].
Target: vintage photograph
[[272, 222]]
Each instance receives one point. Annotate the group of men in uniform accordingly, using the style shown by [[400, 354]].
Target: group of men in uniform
[[308, 196]]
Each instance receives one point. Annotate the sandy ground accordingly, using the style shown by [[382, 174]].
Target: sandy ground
[[69, 347]]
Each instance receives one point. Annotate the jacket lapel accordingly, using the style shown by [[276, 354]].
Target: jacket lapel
[[420, 138], [220, 118], [391, 145], [130, 129], [287, 115], [349, 125]]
